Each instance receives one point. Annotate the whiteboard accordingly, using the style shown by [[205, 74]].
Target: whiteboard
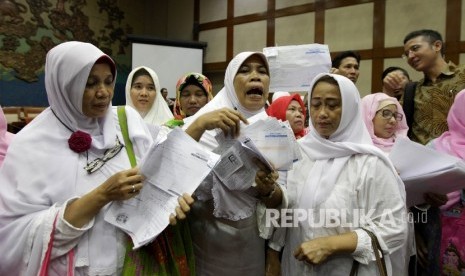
[[169, 59]]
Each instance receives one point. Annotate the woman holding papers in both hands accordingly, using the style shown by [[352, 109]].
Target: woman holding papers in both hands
[[226, 225], [66, 166], [342, 187]]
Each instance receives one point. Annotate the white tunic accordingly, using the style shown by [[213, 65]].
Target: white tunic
[[366, 185]]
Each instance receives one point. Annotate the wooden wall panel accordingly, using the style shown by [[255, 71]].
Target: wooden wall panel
[[382, 47]]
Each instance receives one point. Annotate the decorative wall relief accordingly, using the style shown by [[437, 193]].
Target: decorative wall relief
[[29, 28]]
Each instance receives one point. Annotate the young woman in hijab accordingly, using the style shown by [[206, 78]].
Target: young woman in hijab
[[64, 168], [5, 136], [342, 174], [193, 91], [228, 241], [384, 119], [143, 94], [291, 109]]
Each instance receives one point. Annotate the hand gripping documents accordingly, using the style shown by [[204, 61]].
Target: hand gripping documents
[[426, 170], [269, 140], [172, 167]]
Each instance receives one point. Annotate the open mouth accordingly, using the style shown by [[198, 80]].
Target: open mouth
[[255, 91]]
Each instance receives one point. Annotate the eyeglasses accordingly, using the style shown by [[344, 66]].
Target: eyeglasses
[[413, 50], [109, 154], [388, 114]]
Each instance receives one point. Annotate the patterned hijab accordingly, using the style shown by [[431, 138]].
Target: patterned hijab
[[160, 112], [278, 109], [196, 79], [370, 105]]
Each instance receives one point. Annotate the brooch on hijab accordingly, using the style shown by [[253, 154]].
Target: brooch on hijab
[[79, 141]]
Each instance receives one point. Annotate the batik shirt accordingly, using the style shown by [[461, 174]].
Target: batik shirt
[[433, 101]]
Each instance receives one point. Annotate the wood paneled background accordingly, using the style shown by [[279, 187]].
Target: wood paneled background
[[374, 28]]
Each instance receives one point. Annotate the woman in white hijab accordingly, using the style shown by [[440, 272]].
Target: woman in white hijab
[[143, 94], [64, 168], [342, 184], [224, 224]]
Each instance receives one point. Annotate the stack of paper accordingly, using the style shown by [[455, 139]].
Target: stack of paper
[[268, 140], [172, 167], [426, 170]]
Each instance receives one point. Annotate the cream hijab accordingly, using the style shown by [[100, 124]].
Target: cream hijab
[[160, 112], [332, 154]]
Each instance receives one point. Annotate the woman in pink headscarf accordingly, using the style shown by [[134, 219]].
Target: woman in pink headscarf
[[384, 119], [5, 136], [292, 109], [453, 141], [452, 214]]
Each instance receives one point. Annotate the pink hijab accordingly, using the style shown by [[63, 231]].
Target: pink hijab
[[5, 136], [370, 104], [453, 140]]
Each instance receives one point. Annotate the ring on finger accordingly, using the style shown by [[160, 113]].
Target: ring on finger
[[133, 189]]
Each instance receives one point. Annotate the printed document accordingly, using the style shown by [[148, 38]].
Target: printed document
[[172, 167], [425, 170]]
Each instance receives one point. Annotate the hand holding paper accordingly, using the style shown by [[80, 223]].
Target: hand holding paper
[[173, 167], [425, 170]]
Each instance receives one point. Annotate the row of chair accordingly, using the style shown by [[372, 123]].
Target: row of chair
[[19, 116]]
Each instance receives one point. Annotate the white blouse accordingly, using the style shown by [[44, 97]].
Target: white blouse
[[366, 187]]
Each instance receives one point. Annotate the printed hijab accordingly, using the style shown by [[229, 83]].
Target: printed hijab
[[331, 155], [278, 109], [159, 113], [370, 105], [196, 79]]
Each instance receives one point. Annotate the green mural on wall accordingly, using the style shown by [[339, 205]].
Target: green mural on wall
[[29, 28]]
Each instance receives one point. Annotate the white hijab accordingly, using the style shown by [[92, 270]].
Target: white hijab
[[232, 205], [41, 172], [227, 97], [159, 113], [331, 155]]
